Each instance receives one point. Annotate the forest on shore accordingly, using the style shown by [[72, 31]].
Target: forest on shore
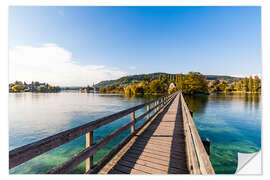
[[190, 84]]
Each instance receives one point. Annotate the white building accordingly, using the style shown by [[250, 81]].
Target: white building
[[172, 85]]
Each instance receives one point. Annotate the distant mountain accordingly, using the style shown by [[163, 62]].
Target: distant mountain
[[126, 80], [221, 77]]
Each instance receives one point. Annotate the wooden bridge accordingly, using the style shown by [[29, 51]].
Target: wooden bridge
[[166, 143]]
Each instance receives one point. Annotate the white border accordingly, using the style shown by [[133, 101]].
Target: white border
[[137, 2], [4, 73]]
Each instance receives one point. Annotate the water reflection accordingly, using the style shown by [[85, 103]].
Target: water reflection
[[197, 103], [232, 122]]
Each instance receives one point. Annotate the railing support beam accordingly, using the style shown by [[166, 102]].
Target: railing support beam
[[147, 109], [89, 141], [133, 120]]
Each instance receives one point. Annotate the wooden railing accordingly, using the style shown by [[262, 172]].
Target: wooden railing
[[30, 151], [197, 158]]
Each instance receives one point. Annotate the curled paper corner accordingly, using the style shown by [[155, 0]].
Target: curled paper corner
[[249, 163]]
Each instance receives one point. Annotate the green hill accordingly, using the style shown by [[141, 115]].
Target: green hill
[[126, 80]]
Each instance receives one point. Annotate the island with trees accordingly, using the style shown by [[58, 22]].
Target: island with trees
[[19, 86]]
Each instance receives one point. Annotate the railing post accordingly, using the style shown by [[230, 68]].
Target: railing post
[[89, 141], [206, 144], [133, 120], [148, 108], [191, 113], [163, 101]]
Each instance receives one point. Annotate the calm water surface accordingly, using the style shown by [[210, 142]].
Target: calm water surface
[[231, 122]]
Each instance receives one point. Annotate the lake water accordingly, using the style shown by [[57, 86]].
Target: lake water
[[231, 122]]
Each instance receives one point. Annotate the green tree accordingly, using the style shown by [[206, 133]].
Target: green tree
[[257, 84], [239, 85], [180, 82], [130, 90], [172, 90], [17, 87], [147, 79], [250, 84], [195, 83], [229, 88], [157, 86], [245, 84]]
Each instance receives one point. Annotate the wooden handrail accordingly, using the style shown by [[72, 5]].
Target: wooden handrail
[[198, 159], [29, 151]]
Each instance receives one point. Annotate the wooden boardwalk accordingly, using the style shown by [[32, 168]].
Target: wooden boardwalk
[[159, 148]]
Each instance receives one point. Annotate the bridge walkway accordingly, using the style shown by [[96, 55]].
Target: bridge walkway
[[159, 148]]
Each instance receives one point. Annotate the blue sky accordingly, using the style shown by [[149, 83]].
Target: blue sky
[[115, 41]]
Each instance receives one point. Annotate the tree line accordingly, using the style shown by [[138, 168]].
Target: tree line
[[34, 86], [190, 84], [244, 85]]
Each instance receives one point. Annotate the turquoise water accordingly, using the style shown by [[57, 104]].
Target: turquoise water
[[33, 116], [231, 122]]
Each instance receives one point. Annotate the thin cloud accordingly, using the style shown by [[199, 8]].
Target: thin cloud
[[53, 64]]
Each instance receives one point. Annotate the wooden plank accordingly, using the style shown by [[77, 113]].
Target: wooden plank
[[153, 165], [160, 148], [164, 135], [164, 161], [162, 141], [157, 156], [128, 170], [115, 171], [160, 153], [140, 167], [166, 168]]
